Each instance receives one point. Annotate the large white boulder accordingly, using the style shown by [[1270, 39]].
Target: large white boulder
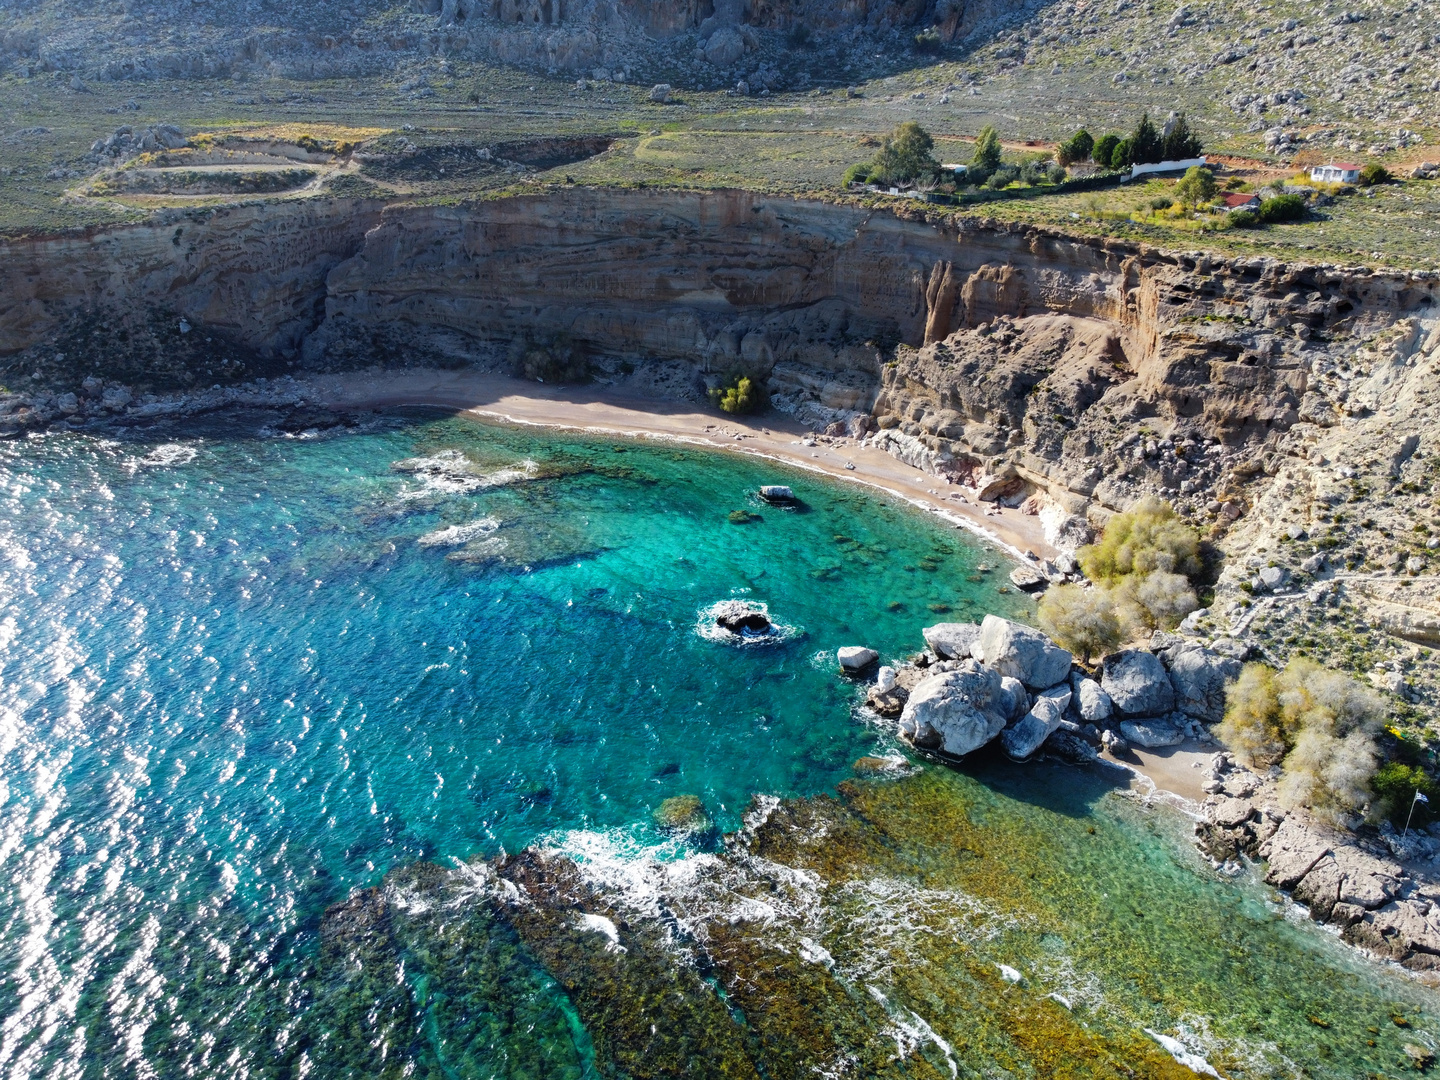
[[1022, 653], [955, 711], [854, 658], [1016, 700], [1042, 721], [1152, 734], [1199, 678], [952, 640], [1091, 702], [1137, 684]]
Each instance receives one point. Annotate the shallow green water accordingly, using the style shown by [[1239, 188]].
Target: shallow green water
[[243, 677]]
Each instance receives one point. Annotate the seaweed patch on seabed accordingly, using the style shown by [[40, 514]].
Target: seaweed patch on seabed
[[821, 941]]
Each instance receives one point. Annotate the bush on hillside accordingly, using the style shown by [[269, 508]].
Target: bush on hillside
[[1251, 727], [1283, 208], [1085, 621], [857, 174], [1157, 600], [1076, 148], [1373, 174], [1150, 536], [1243, 219], [928, 42], [1319, 724]]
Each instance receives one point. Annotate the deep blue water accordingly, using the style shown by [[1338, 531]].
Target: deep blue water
[[242, 676]]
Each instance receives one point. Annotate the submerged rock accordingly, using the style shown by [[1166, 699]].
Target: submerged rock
[[684, 815], [955, 711], [1023, 653], [1137, 684]]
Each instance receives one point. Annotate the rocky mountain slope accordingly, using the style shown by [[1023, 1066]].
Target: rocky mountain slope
[[1350, 76]]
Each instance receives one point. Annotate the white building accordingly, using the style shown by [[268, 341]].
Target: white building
[[1340, 172]]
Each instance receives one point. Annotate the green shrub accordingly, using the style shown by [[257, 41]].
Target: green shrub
[[928, 42], [1161, 202], [1002, 178], [1395, 785], [857, 174], [1122, 156], [1035, 171], [1056, 174], [1104, 150], [741, 396], [1243, 219], [1085, 621], [1149, 536], [1283, 208], [1076, 148], [1373, 174]]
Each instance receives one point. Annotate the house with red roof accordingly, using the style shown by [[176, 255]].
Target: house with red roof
[[1339, 172], [1240, 200]]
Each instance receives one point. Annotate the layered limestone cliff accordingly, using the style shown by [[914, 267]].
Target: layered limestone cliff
[[1004, 357]]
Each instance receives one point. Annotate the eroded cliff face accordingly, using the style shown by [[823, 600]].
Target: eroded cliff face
[[1095, 371]]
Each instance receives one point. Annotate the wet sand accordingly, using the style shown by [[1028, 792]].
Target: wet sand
[[1171, 769], [594, 409]]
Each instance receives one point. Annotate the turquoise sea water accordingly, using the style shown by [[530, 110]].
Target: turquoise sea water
[[243, 676]]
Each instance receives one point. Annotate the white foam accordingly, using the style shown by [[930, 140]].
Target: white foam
[[708, 628], [169, 454], [1183, 1055], [599, 924], [1009, 974], [450, 472], [455, 535]]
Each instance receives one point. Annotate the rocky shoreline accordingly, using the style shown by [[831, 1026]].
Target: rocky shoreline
[[1006, 684]]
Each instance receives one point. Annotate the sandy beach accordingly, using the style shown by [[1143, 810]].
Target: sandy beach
[[593, 409], [773, 436]]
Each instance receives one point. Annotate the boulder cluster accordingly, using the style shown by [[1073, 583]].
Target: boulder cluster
[[1370, 887], [975, 683]]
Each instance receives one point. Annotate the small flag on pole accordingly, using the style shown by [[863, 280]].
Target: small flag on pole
[[1420, 797]]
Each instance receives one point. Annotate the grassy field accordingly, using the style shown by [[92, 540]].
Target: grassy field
[[796, 144]]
